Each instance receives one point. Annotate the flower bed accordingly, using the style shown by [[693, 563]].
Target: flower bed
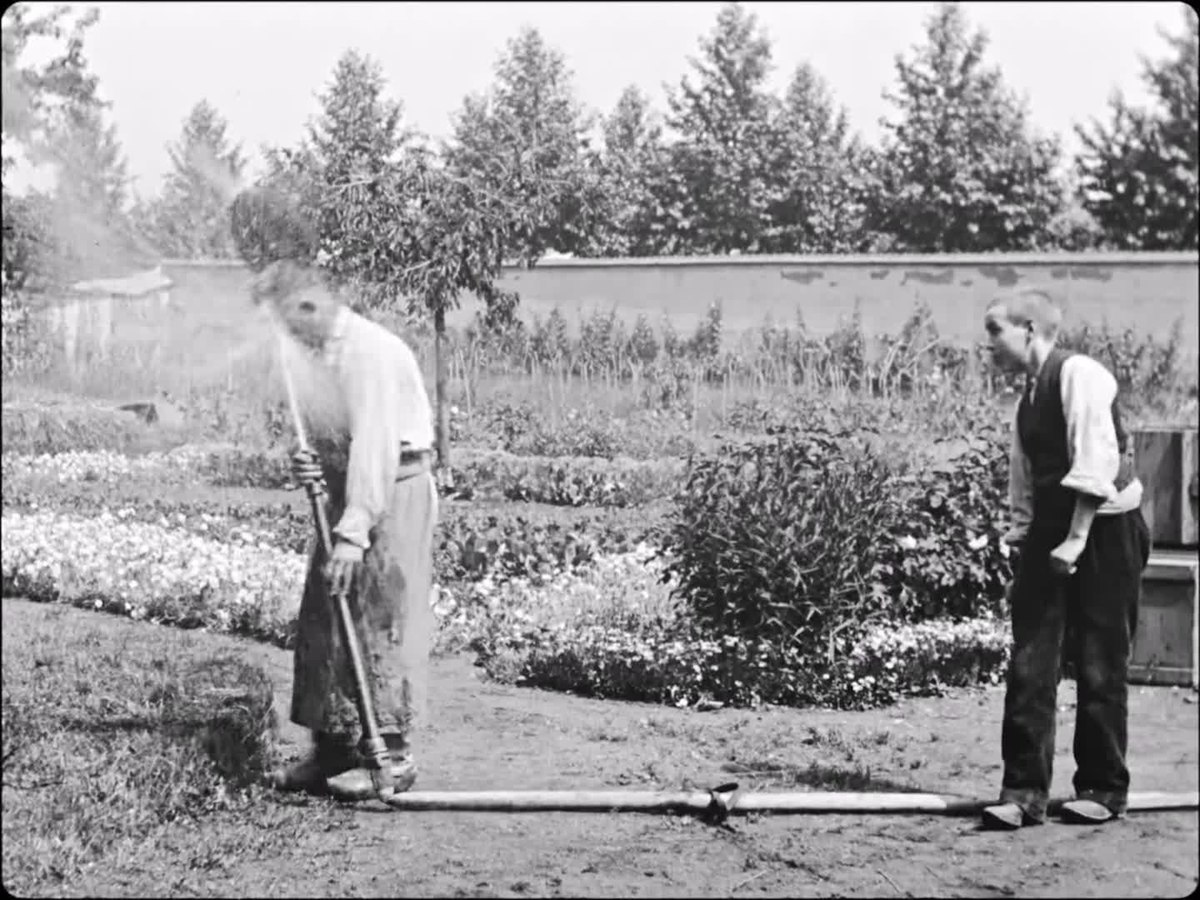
[[154, 573], [103, 466]]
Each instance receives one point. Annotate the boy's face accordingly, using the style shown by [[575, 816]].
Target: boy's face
[[1008, 341]]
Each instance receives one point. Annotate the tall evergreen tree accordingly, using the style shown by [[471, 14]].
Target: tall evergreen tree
[[960, 169], [717, 197], [191, 220], [528, 136]]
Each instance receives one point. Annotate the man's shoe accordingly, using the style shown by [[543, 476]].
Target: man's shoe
[[1087, 812], [305, 775], [309, 774], [357, 784], [1006, 817]]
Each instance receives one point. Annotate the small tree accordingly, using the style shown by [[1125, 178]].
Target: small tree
[[453, 239], [413, 236], [387, 219]]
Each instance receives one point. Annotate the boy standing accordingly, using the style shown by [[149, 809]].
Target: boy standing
[[1082, 545]]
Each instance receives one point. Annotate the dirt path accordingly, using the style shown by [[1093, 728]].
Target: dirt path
[[489, 737]]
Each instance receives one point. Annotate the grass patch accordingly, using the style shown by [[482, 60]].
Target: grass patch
[[121, 737]]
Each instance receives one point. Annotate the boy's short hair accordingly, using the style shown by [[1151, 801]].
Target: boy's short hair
[[1033, 305]]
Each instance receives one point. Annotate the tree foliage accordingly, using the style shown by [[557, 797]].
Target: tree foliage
[[191, 218], [32, 93], [632, 162], [1139, 172], [960, 169], [815, 206], [716, 195], [527, 137], [54, 115]]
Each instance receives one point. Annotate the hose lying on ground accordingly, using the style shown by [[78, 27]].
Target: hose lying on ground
[[727, 800]]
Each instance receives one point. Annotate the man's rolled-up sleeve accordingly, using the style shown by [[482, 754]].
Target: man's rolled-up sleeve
[[1088, 391]]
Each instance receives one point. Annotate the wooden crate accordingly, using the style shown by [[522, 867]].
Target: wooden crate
[[1166, 463], [1167, 643]]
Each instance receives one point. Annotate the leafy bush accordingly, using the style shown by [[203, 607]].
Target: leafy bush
[[947, 557], [789, 549], [777, 541]]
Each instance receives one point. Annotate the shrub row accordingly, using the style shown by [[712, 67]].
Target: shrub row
[[473, 540], [566, 481], [618, 631], [686, 667], [615, 628]]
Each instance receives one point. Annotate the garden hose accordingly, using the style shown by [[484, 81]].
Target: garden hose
[[372, 746], [721, 802]]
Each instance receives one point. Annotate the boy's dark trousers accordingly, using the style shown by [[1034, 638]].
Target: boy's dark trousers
[[1097, 607]]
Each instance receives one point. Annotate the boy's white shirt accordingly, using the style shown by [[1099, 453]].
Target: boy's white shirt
[[388, 409], [1088, 391]]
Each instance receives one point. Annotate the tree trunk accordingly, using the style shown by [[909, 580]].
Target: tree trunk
[[441, 364]]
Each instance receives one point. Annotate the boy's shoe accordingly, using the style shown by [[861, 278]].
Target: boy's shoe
[[1087, 812], [356, 784], [1006, 817]]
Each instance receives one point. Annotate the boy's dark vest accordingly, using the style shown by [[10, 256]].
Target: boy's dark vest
[[1042, 428]]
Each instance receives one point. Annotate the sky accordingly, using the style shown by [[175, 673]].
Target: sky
[[262, 65]]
